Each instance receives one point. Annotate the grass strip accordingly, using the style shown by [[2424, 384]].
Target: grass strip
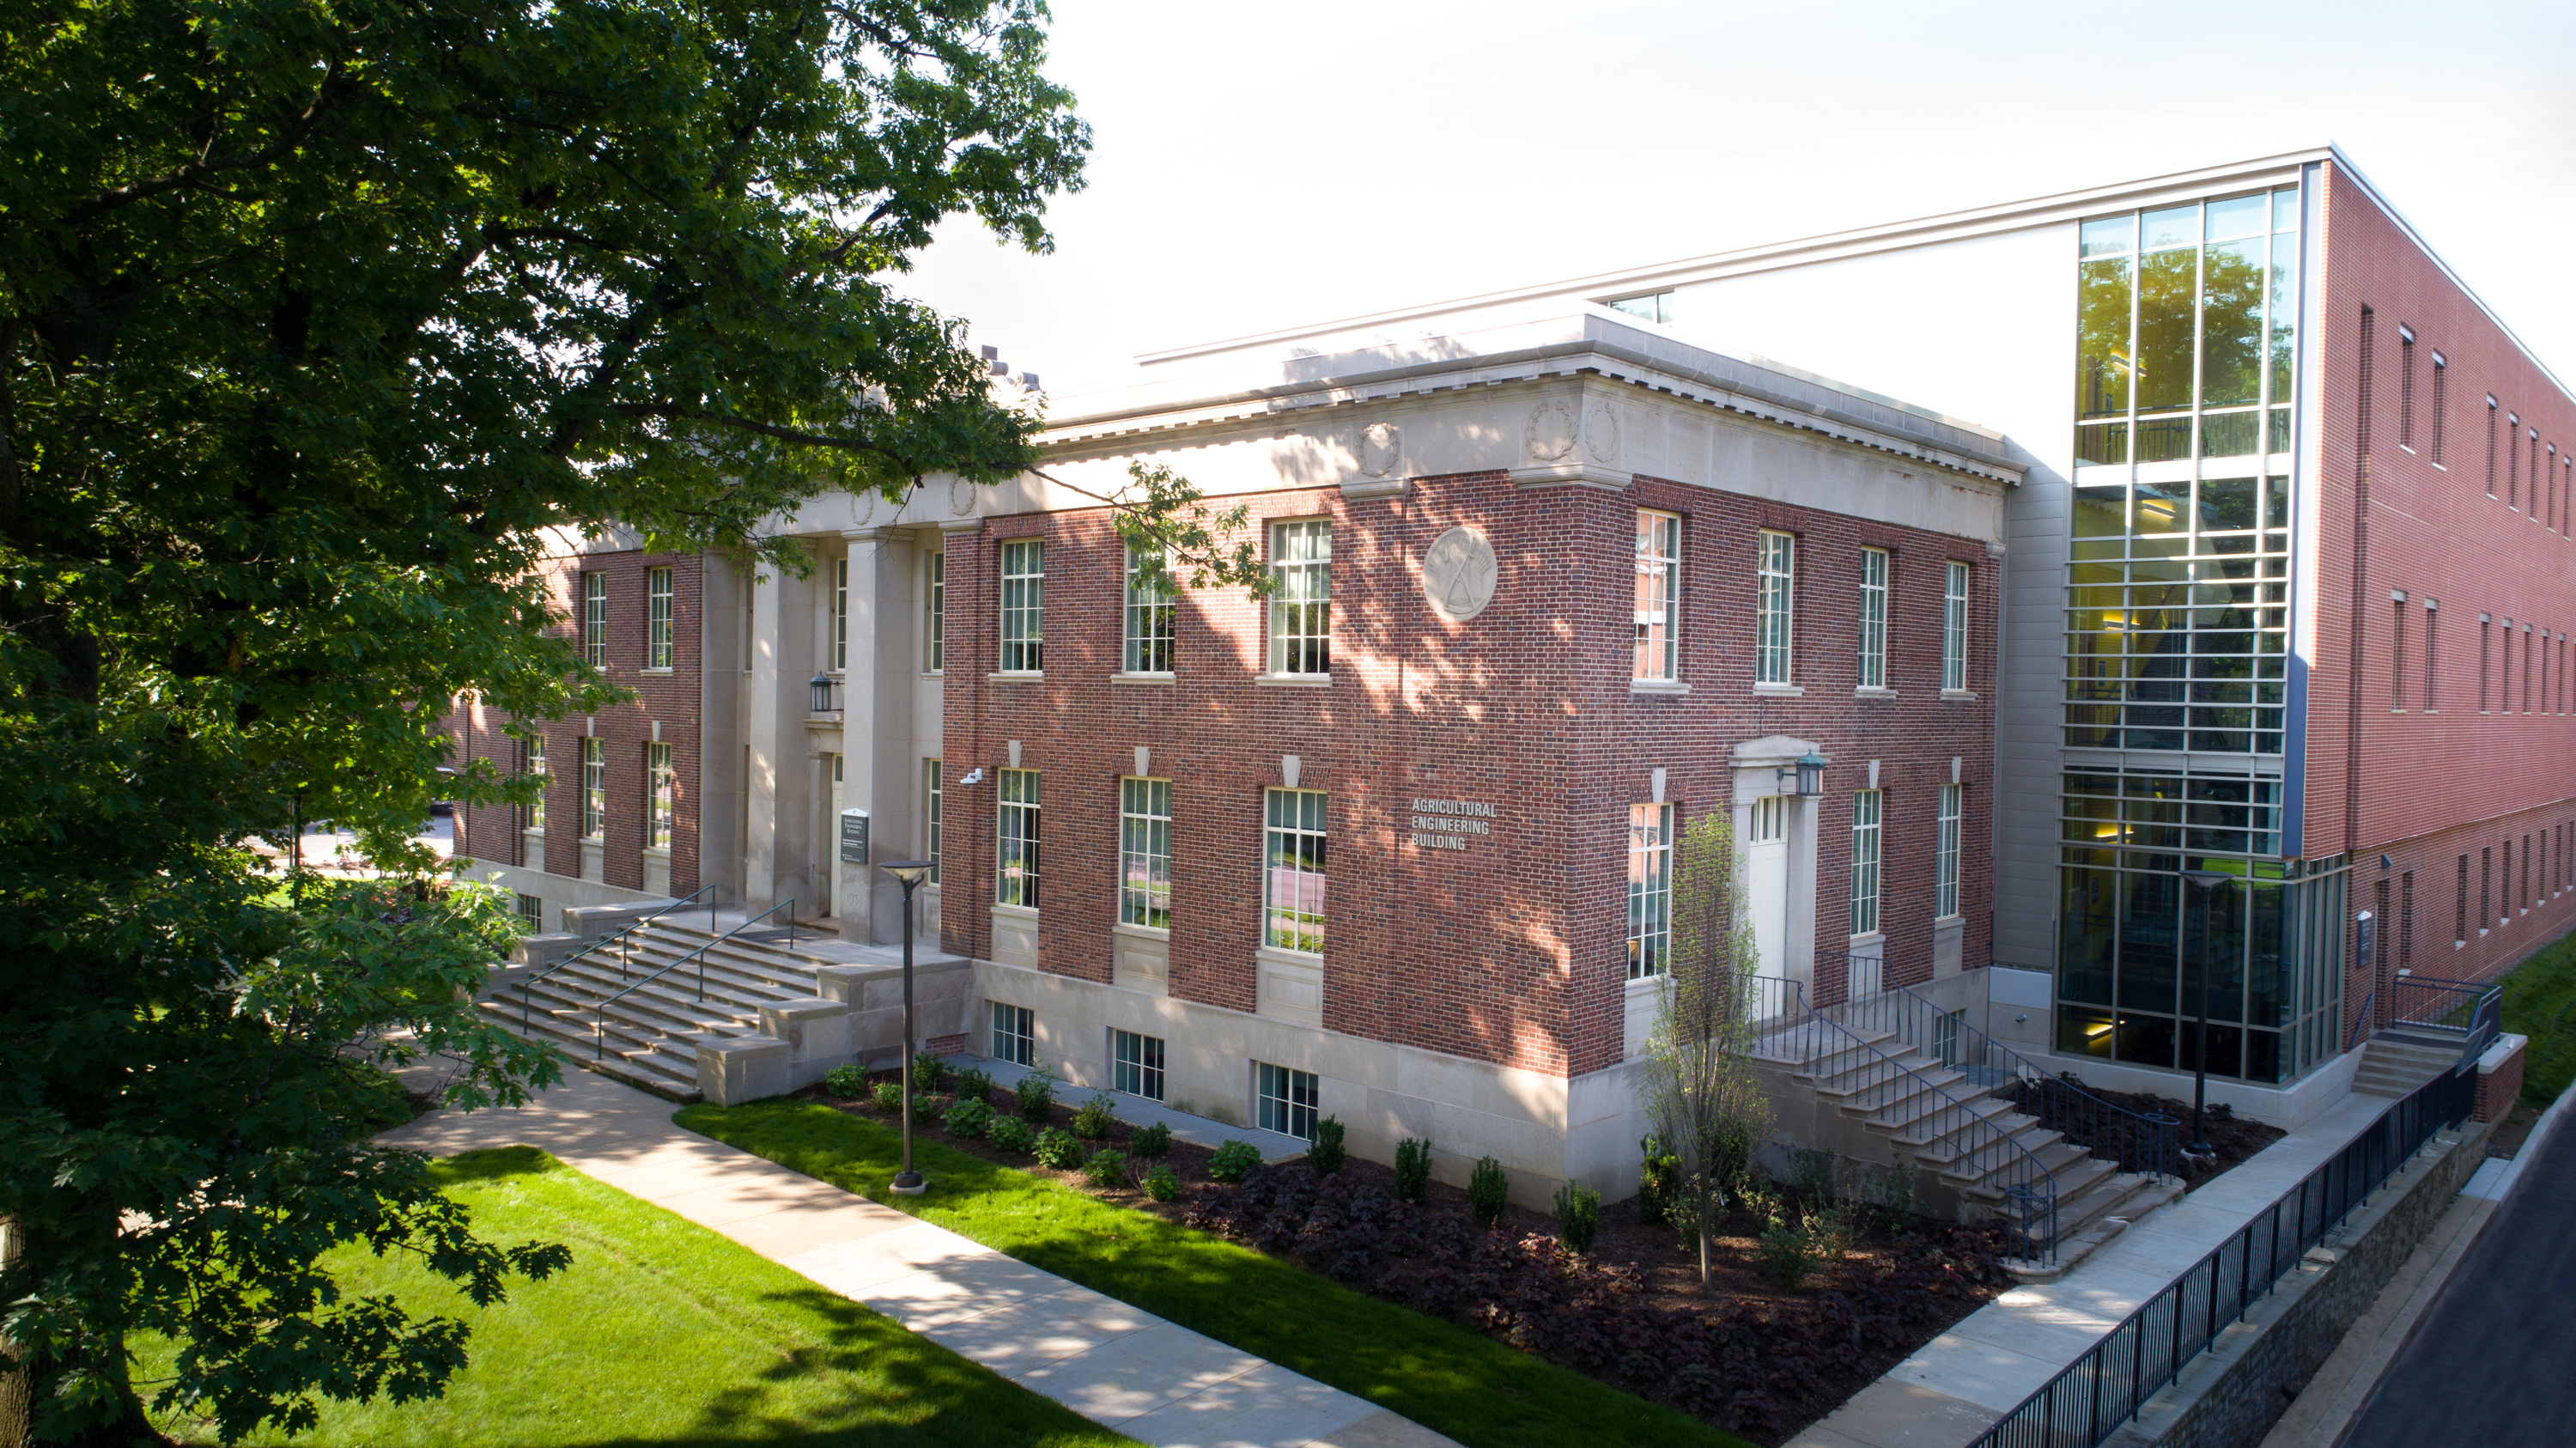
[[661, 1332], [1443, 1376], [2540, 1002]]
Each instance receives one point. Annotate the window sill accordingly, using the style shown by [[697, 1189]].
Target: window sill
[[664, 670], [1016, 912], [657, 852], [934, 675], [1017, 676], [1959, 694], [1282, 955], [1295, 681], [1667, 687], [1644, 983], [1948, 919], [1785, 691], [1141, 932], [1165, 677], [1875, 937], [1872, 691]]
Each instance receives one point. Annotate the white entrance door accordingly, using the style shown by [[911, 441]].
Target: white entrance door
[[831, 872], [1766, 880]]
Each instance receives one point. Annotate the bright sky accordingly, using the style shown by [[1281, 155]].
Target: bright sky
[[1264, 166]]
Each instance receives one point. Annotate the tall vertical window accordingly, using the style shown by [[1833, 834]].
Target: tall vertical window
[[661, 796], [2486, 886], [594, 788], [1016, 859], [2513, 460], [2406, 920], [2486, 658], [1301, 606], [930, 803], [657, 618], [1954, 627], [1023, 605], [1136, 1064], [536, 747], [1293, 870], [1945, 867], [1771, 624], [2441, 401], [1873, 618], [1015, 1035], [2397, 654], [1145, 852], [2491, 437], [934, 622], [2460, 914], [1864, 861], [2405, 388], [2432, 616], [840, 614], [1650, 888], [594, 619], [1149, 617], [1659, 568], [1288, 1100]]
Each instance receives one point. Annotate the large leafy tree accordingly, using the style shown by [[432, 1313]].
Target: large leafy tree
[[315, 317]]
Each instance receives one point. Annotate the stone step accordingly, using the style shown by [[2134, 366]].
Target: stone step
[[2096, 1216], [653, 1071]]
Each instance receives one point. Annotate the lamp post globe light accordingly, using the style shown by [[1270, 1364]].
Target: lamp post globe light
[[908, 873], [2206, 884]]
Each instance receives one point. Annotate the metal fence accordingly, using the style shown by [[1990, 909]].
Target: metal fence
[[2104, 1388]]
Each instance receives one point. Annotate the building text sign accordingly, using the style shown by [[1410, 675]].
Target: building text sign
[[1448, 824]]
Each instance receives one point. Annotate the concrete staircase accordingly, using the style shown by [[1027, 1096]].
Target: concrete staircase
[[2395, 1062], [1963, 1138], [651, 1036]]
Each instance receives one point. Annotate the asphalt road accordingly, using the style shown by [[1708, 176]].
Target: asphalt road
[[2494, 1362]]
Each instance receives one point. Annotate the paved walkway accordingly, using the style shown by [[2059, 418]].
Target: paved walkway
[[1124, 1369], [1962, 1382]]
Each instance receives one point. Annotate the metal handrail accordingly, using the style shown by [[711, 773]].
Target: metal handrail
[[623, 937], [2029, 1187], [599, 1017], [2061, 1102], [2363, 1027]]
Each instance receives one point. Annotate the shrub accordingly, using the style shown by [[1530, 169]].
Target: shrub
[[1232, 1160], [1091, 1119], [1106, 1169], [968, 1118], [1412, 1170], [847, 1082], [1659, 1185], [1788, 1254], [1161, 1185], [973, 1084], [1326, 1154], [1578, 1216], [1010, 1133], [889, 1096], [1036, 1091], [929, 1073], [1489, 1190], [1059, 1148], [1150, 1142]]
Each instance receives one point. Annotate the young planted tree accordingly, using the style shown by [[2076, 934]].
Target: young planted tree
[[1701, 1093]]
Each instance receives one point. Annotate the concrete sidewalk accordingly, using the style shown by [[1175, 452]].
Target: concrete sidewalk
[[1123, 1369], [1964, 1381]]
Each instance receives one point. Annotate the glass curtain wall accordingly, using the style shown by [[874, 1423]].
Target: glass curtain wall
[[2177, 644]]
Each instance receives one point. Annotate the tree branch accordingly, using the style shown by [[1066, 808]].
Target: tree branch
[[334, 85]]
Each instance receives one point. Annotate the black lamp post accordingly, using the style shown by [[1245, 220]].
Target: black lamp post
[[2208, 883], [909, 873]]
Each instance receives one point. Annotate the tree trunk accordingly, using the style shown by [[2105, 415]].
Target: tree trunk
[[14, 1383]]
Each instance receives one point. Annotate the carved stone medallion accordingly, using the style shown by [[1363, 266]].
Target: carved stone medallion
[[1381, 447], [863, 508], [1551, 432], [1601, 434], [961, 498], [1458, 574]]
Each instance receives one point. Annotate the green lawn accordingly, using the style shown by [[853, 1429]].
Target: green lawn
[[1473, 1389], [2540, 1002], [663, 1332]]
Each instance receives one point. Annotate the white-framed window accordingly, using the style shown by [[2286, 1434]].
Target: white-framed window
[[1954, 626], [1770, 820], [1136, 1064], [1650, 889], [934, 624], [1779, 554], [1016, 861], [1659, 576], [930, 817], [1945, 862], [1864, 861], [1293, 870], [1023, 605], [657, 618], [840, 615], [532, 914], [594, 619], [535, 744], [1301, 606], [1150, 612], [1287, 1100], [1873, 618], [662, 794], [1145, 852], [1015, 1035], [594, 788]]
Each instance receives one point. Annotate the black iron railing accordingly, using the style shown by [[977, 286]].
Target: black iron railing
[[622, 937], [599, 1018], [2469, 1010], [2084, 1405]]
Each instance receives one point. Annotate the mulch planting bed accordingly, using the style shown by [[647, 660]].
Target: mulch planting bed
[[1742, 1352]]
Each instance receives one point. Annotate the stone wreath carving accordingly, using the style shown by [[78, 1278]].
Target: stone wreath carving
[[961, 499], [1381, 447], [1601, 434], [1458, 574], [1551, 432]]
